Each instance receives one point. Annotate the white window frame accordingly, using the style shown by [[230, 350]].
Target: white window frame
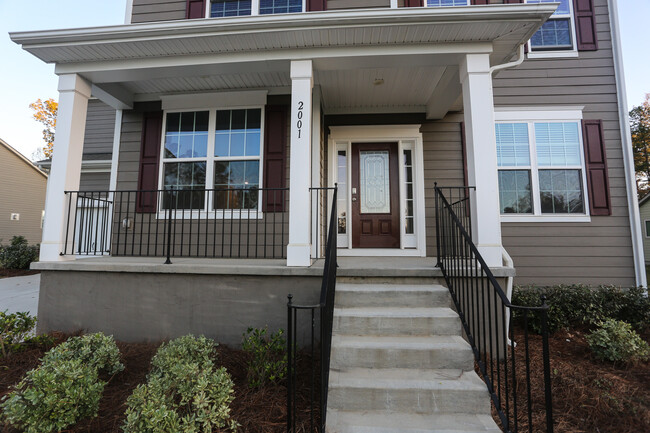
[[549, 54], [645, 228], [530, 116], [425, 2], [255, 9], [208, 210]]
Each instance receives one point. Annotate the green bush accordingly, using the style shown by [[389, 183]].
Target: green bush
[[18, 254], [65, 388], [579, 305], [16, 332], [184, 391], [268, 356], [616, 341]]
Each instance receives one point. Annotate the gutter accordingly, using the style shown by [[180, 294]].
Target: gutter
[[628, 157]]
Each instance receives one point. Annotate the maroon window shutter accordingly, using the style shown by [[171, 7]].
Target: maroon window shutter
[[195, 9], [275, 151], [316, 5], [596, 166], [413, 3], [585, 18], [149, 156]]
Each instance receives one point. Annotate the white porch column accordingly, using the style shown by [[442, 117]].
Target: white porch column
[[74, 92], [299, 248], [478, 103]]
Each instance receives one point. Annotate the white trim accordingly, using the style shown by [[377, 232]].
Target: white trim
[[128, 13], [553, 54], [407, 136], [551, 218], [546, 113], [231, 100], [644, 228], [626, 142], [115, 158]]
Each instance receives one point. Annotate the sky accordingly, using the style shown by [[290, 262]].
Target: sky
[[24, 78]]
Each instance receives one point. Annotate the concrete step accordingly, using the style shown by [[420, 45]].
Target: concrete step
[[432, 352], [396, 321], [374, 422], [408, 391], [350, 295]]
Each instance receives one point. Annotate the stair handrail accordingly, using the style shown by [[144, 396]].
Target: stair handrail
[[471, 284]]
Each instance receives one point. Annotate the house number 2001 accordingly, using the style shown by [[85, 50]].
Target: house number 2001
[[299, 122]]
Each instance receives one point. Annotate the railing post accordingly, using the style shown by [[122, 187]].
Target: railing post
[[289, 362], [435, 190], [547, 367], [169, 227]]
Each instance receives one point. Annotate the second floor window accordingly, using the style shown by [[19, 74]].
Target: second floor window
[[232, 8], [556, 34], [438, 3]]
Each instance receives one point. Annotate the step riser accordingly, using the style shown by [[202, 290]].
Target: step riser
[[351, 325], [409, 400], [415, 299], [391, 280], [446, 358]]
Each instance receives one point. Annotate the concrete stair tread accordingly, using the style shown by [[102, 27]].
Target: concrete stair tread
[[400, 342], [387, 287], [392, 422], [406, 378], [401, 312]]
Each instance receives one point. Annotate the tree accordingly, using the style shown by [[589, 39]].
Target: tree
[[45, 113], [640, 125]]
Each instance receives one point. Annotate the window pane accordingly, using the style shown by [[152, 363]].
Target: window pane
[[514, 191], [188, 180], [342, 198], [236, 184], [512, 144], [558, 144], [186, 135], [561, 191], [238, 133], [230, 8], [554, 34], [436, 3], [408, 208], [562, 9], [647, 229], [280, 6]]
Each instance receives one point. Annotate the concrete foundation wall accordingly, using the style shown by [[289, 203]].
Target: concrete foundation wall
[[152, 307]]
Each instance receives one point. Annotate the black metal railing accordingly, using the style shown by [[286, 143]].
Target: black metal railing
[[514, 375], [209, 223], [319, 370]]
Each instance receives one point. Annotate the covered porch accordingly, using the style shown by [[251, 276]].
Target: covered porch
[[350, 81]]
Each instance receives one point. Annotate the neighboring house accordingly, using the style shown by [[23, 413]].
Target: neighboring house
[[22, 197], [228, 112], [644, 210]]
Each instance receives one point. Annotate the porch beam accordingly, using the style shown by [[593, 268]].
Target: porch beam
[[302, 83], [478, 103], [114, 95], [74, 93], [446, 93]]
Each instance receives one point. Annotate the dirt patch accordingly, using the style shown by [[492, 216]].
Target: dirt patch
[[260, 410], [7, 273], [589, 395]]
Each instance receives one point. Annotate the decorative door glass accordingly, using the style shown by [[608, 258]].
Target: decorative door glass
[[374, 181]]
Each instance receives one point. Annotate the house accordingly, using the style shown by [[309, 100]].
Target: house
[[235, 119], [22, 199]]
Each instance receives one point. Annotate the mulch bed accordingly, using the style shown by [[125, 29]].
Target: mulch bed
[[589, 395], [260, 410], [6, 273]]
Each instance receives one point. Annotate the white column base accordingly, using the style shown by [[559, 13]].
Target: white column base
[[298, 255], [51, 252], [492, 254]]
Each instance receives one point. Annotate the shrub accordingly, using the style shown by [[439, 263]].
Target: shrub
[[268, 356], [16, 332], [578, 305], [616, 341], [65, 388], [18, 254], [184, 391]]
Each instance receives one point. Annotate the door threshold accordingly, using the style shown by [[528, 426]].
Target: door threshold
[[379, 252]]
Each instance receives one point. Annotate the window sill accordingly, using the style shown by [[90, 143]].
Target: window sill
[[553, 54], [219, 215], [545, 218]]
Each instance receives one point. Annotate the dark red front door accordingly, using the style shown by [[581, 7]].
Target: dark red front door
[[375, 195]]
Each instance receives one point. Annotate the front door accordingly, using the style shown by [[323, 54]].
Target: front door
[[375, 195]]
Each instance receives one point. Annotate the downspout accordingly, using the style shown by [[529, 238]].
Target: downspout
[[520, 59], [626, 142]]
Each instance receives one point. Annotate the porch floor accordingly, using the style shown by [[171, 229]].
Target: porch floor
[[348, 266]]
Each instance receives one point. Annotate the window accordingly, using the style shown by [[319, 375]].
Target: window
[[541, 168], [438, 3], [231, 8], [647, 228], [209, 149], [556, 34]]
